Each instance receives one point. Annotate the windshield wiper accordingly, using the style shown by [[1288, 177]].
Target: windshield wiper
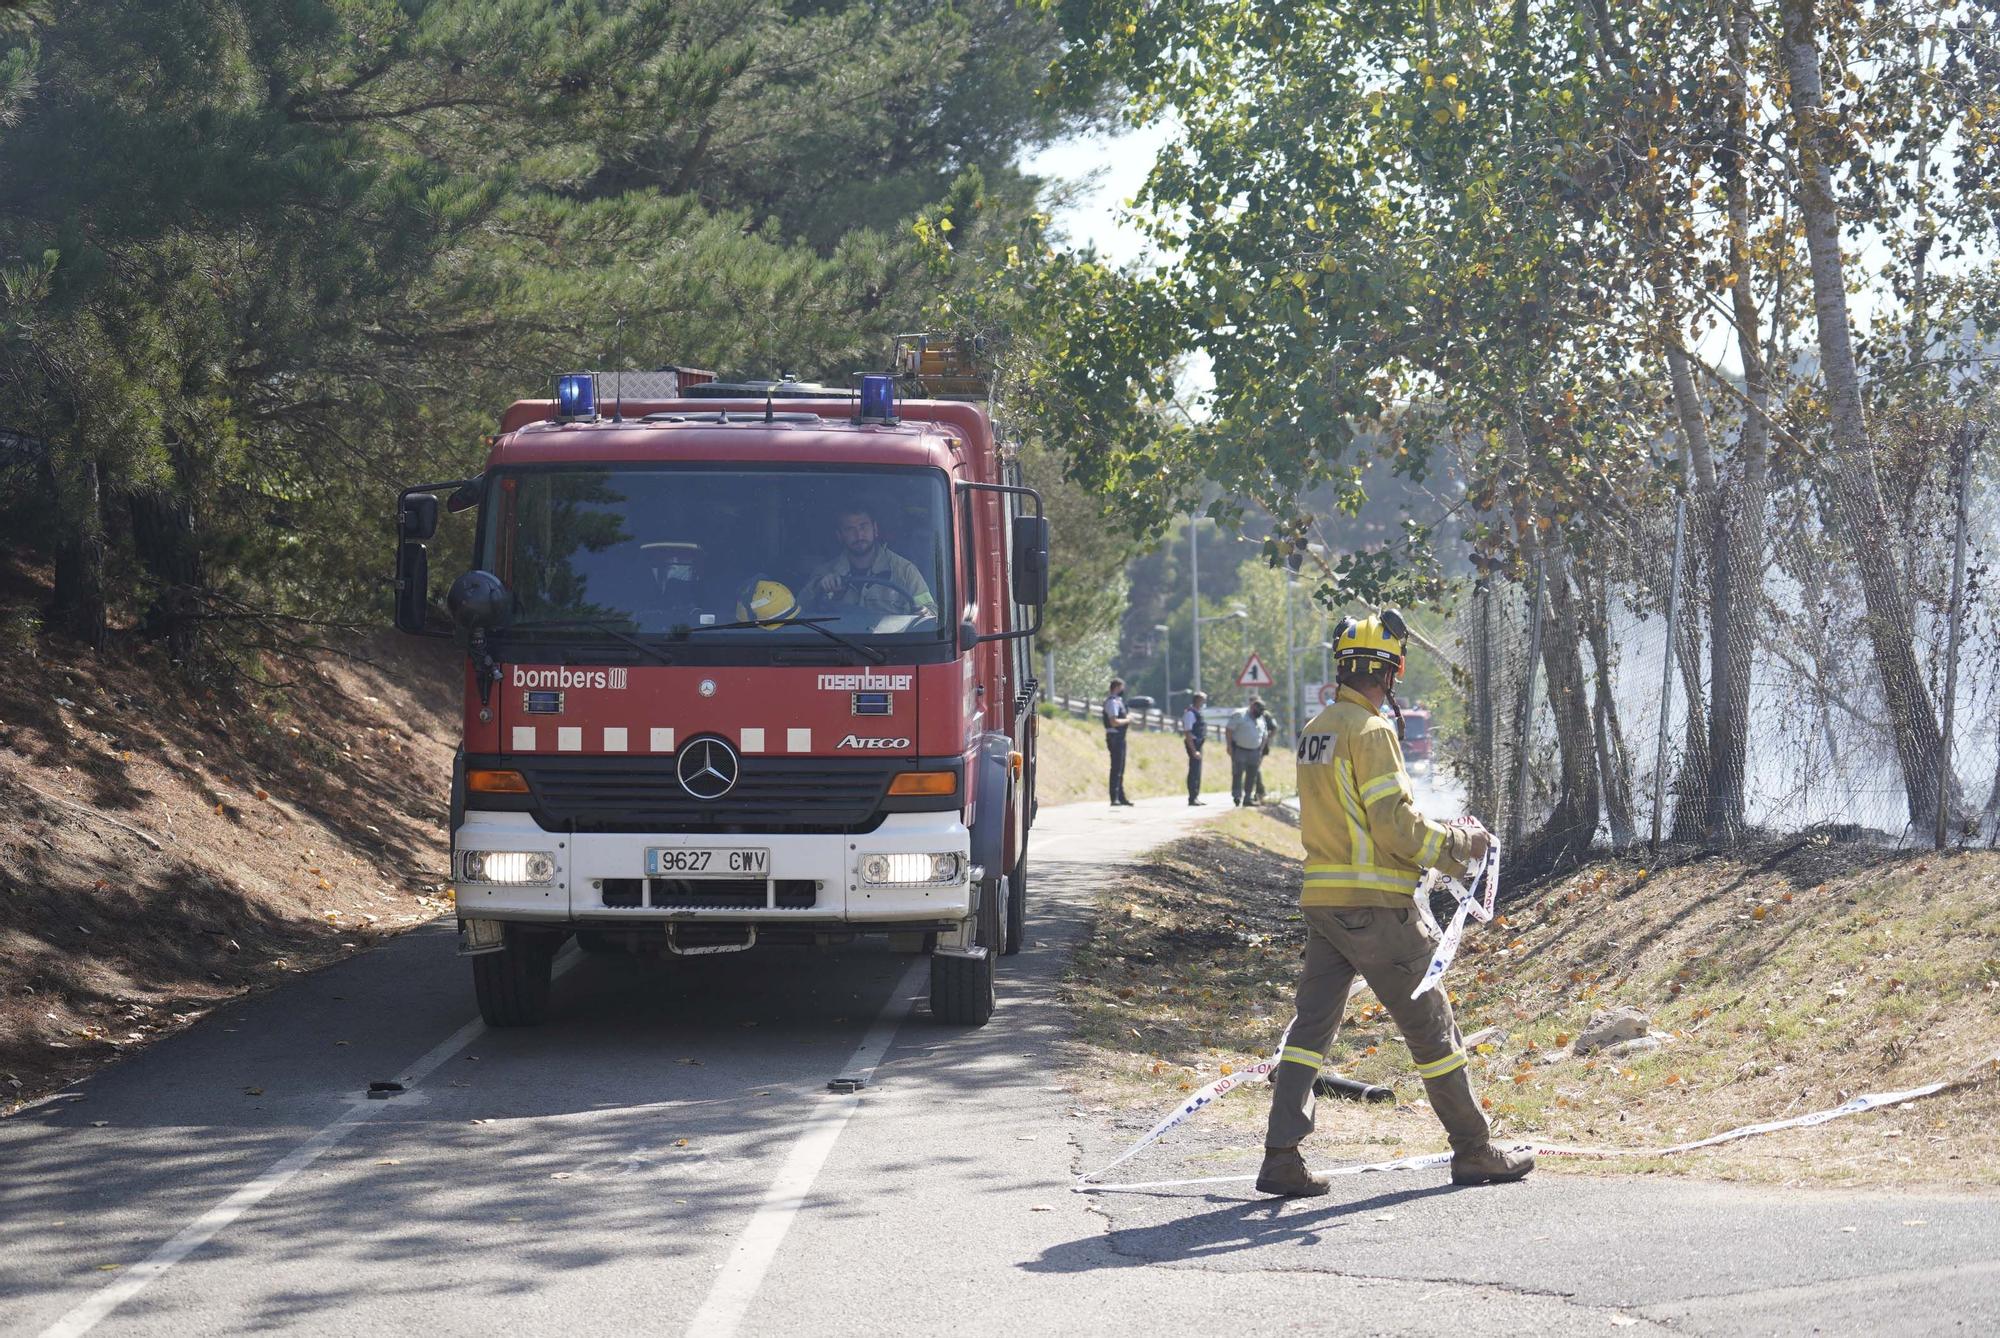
[[599, 625], [869, 653]]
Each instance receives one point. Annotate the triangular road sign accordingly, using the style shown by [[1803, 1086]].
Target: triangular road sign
[[1254, 674]]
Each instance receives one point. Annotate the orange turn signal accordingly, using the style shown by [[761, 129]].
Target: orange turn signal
[[496, 782], [925, 782], [1014, 760]]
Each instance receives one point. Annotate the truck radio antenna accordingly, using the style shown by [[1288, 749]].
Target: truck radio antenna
[[618, 379]]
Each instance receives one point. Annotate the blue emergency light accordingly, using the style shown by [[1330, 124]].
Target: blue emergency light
[[576, 396], [878, 397]]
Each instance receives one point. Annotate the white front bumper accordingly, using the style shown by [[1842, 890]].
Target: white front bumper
[[585, 861]]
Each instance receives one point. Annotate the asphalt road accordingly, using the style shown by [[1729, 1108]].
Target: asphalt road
[[664, 1157]]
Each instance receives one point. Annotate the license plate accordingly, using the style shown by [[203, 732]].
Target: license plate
[[708, 862]]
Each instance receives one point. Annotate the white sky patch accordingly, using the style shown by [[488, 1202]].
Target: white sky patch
[[1109, 169], [1104, 172]]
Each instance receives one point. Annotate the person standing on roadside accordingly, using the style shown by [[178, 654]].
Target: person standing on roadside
[[1194, 733], [1116, 722], [1270, 733], [1249, 736], [1366, 846]]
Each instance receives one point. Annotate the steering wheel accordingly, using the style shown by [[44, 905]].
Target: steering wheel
[[918, 615], [909, 596]]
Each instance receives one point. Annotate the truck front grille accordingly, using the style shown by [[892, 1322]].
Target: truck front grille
[[708, 894], [800, 795]]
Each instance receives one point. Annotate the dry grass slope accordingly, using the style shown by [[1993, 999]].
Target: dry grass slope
[[1073, 765], [164, 849], [1788, 985]]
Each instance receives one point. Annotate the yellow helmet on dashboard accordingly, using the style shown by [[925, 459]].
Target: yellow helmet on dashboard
[[1371, 643], [766, 602]]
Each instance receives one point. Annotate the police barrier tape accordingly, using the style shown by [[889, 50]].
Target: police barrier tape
[[1424, 1161], [1470, 902], [1486, 878], [1215, 1091]]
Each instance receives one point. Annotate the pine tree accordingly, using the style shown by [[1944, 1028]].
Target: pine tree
[[263, 263]]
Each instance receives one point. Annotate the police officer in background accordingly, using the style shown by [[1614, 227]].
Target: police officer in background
[[1116, 721], [1366, 845], [1194, 733]]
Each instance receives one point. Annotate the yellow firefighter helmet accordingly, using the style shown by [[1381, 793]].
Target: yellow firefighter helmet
[[1371, 643], [766, 602]]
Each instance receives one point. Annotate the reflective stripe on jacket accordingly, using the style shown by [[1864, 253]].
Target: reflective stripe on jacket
[[1366, 843]]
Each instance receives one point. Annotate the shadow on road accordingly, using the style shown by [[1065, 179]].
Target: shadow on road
[[610, 1153], [1236, 1226], [638, 1123]]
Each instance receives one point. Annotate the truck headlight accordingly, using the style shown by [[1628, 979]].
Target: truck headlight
[[912, 868], [506, 866]]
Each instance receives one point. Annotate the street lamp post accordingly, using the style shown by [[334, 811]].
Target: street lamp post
[[1167, 667], [1194, 576], [1324, 648], [1211, 618], [1291, 666]]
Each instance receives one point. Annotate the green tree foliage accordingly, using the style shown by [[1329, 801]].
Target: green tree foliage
[[262, 262], [1499, 234]]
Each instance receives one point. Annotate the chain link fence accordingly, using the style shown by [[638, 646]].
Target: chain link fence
[[1683, 677]]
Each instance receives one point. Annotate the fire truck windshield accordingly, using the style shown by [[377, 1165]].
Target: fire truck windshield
[[648, 549]]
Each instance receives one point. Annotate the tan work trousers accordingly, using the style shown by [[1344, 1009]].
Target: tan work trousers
[[1390, 950]]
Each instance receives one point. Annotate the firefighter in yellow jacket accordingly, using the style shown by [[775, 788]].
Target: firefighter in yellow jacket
[[1366, 846]]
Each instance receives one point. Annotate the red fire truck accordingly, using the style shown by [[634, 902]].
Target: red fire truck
[[746, 664]]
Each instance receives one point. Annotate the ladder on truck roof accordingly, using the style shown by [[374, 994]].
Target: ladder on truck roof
[[661, 383], [943, 367]]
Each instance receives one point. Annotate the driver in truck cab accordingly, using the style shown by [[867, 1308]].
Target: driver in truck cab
[[866, 573]]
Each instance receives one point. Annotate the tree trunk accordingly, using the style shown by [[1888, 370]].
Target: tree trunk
[[1611, 762], [1690, 782], [1990, 820], [1484, 789], [163, 533], [1736, 579], [1813, 585], [1695, 450], [1857, 491], [78, 605], [1569, 830]]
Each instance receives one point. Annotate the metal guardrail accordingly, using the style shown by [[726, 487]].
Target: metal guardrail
[[1156, 721]]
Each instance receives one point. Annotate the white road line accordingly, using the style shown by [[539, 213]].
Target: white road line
[[743, 1272], [90, 1312]]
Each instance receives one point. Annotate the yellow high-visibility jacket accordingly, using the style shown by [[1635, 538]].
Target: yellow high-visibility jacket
[[1366, 843]]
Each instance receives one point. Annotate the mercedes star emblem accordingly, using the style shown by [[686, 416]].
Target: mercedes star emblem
[[707, 768]]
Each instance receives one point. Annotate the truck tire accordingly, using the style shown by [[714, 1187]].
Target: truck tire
[[1017, 906], [962, 988], [512, 985]]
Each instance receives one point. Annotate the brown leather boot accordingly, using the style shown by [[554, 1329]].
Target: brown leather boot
[[1489, 1165], [1474, 1159], [1284, 1172]]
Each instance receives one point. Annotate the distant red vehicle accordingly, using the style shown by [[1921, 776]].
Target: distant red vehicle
[[1416, 737], [694, 724]]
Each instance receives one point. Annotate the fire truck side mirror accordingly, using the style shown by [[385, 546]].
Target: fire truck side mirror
[[413, 586], [418, 517], [1031, 561]]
